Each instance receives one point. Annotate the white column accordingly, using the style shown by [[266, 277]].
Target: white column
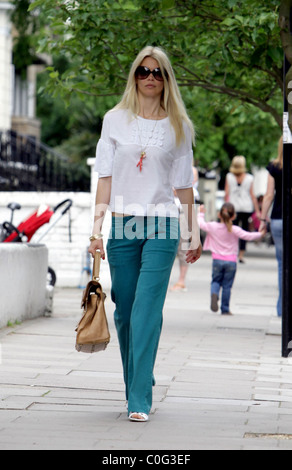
[[6, 68]]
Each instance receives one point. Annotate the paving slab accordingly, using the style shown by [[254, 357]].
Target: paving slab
[[221, 381]]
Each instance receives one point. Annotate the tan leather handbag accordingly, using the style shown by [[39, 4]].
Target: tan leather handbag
[[92, 331]]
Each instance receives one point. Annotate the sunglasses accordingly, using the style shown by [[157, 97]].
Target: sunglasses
[[143, 72]]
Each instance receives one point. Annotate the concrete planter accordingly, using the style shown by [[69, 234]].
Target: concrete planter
[[23, 278]]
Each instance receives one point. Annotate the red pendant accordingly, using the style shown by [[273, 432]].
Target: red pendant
[[140, 162]]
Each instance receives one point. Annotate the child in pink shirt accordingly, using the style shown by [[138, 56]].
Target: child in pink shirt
[[222, 241]]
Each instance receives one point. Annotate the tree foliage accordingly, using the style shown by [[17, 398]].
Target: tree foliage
[[227, 56], [228, 47], [23, 45]]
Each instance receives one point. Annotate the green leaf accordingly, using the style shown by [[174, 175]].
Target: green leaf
[[166, 4], [232, 3], [35, 4], [81, 86], [228, 22], [240, 19], [54, 74], [226, 54], [276, 54]]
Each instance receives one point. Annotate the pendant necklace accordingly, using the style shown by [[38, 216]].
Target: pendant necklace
[[143, 148]]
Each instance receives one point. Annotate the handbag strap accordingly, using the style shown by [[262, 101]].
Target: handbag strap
[[96, 266]]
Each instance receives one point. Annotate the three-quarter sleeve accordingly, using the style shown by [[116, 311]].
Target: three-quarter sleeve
[[182, 172], [105, 150], [182, 175]]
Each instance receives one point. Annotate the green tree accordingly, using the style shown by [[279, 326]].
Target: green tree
[[227, 56], [23, 46], [229, 47], [72, 128]]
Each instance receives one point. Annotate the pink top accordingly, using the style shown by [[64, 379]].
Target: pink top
[[224, 244]]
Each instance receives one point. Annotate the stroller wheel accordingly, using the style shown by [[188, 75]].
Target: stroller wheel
[[51, 277]]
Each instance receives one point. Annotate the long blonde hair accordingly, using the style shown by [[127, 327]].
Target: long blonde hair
[[279, 160], [171, 100]]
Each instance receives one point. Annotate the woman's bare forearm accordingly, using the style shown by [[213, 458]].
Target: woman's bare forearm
[[103, 194], [186, 197], [102, 200]]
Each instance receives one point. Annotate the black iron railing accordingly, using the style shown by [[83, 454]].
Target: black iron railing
[[28, 165]]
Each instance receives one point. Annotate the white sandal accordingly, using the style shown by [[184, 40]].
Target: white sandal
[[137, 416]]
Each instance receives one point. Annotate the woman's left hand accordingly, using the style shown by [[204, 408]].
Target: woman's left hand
[[263, 226], [193, 255]]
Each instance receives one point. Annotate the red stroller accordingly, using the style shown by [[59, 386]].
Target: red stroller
[[26, 229]]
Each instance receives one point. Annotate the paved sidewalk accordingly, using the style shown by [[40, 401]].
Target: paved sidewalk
[[221, 381]]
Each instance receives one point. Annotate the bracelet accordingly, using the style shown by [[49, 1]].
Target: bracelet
[[263, 220], [96, 236]]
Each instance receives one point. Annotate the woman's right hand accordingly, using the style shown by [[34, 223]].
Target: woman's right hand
[[97, 245]]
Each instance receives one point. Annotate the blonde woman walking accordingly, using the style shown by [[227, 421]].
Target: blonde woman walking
[[144, 151]]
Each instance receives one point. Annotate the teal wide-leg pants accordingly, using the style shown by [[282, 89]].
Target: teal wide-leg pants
[[141, 253]]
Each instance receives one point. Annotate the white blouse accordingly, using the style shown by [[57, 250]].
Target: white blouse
[[166, 166], [239, 194]]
